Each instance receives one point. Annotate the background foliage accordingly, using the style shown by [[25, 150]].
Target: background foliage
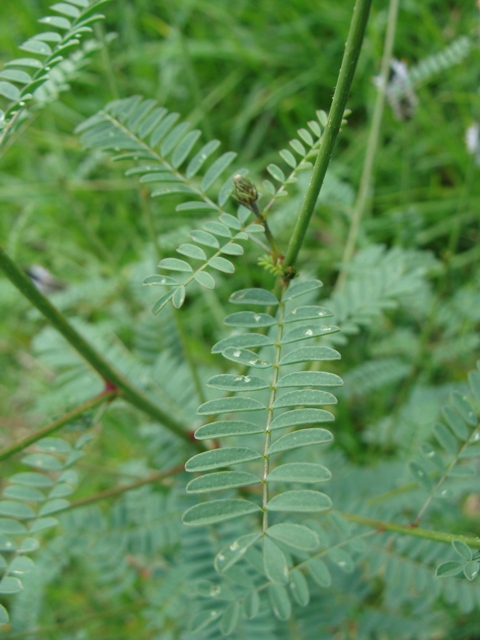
[[250, 75]]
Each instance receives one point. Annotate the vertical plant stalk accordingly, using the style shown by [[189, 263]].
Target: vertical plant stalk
[[112, 377], [55, 425], [342, 90], [273, 392], [372, 144]]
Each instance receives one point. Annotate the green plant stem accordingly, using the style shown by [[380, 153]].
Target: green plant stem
[[51, 427], [116, 491], [372, 144], [80, 621], [409, 530], [129, 392], [342, 90]]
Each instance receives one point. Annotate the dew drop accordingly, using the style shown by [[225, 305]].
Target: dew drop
[[238, 379], [247, 379], [309, 332], [256, 317], [294, 312], [221, 557], [234, 546], [237, 354], [214, 590]]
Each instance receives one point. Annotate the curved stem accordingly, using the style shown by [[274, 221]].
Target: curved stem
[[51, 427], [409, 530], [112, 377], [366, 179], [345, 78]]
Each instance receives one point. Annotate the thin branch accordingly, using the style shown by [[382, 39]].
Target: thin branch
[[112, 377], [410, 530], [342, 90], [116, 491], [51, 427], [367, 171]]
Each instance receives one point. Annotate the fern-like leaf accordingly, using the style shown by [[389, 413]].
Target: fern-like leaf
[[285, 405], [22, 77]]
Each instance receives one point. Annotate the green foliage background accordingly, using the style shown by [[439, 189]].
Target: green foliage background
[[250, 74]]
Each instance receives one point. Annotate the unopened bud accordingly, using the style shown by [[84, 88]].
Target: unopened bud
[[245, 191]]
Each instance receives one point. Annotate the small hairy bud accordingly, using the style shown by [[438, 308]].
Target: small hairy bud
[[245, 191]]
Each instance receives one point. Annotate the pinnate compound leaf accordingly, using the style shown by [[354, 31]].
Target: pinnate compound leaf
[[162, 302], [274, 562], [192, 251], [300, 288], [307, 313], [42, 461], [304, 472], [252, 340], [178, 297], [232, 249], [229, 405], [227, 428], [464, 408], [297, 536], [304, 397], [21, 565], [24, 494], [204, 279], [420, 474], [462, 549], [221, 481], [183, 149], [300, 501], [9, 91], [302, 438], [160, 280], [230, 618], [9, 585], [43, 523], [280, 602], [310, 354], [175, 264], [470, 570], [205, 238], [218, 511], [455, 422], [298, 417], [251, 605], [246, 357], [52, 506], [218, 458], [217, 168], [4, 619], [254, 296], [249, 319], [305, 332], [310, 379], [195, 205], [342, 559], [449, 569], [222, 264], [17, 510], [276, 172], [445, 438], [319, 572], [299, 587], [197, 161], [218, 229], [230, 555], [54, 445], [229, 382]]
